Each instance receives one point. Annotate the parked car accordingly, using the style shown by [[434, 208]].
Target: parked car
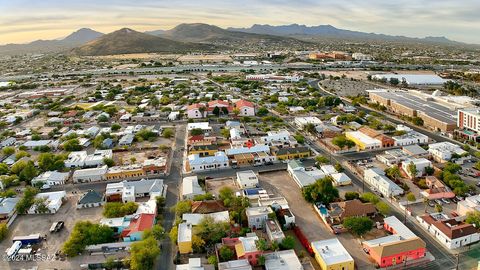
[[445, 200], [57, 226], [431, 204], [438, 202]]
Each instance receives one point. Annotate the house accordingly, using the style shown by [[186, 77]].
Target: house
[[128, 191], [191, 187], [282, 260], [341, 179], [195, 163], [90, 199], [203, 150], [195, 219], [401, 247], [138, 224], [242, 264], [301, 122], [196, 111], [274, 231], [279, 139], [89, 175], [51, 178], [126, 140], [8, 142], [117, 224], [207, 207], [363, 142], [247, 179], [415, 151], [51, 200], [410, 137], [257, 216], [331, 254], [450, 232], [245, 247], [222, 105], [193, 264], [8, 212], [292, 153], [205, 126], [378, 180], [201, 140], [338, 211], [246, 108], [184, 238], [133, 171], [375, 134], [304, 176], [436, 189], [39, 143], [154, 166], [470, 204], [420, 164], [445, 151], [392, 157]]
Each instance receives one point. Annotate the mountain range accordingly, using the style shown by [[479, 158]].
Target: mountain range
[[200, 37]]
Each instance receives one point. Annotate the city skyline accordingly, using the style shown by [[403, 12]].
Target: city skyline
[[26, 21]]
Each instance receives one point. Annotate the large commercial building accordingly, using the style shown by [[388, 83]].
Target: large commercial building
[[363, 141], [434, 115], [468, 122]]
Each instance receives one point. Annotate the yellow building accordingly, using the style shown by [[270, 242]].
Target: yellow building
[[184, 239], [363, 141], [243, 159], [292, 153], [332, 255], [125, 172], [203, 150]]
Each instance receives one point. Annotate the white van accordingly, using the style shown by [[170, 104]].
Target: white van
[[12, 251]]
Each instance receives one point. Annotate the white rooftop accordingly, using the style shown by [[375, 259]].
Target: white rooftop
[[331, 251]]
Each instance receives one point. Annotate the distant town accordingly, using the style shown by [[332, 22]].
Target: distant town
[[282, 155]]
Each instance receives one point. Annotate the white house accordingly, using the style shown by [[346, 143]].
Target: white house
[[194, 111], [420, 165], [89, 175], [303, 176], [410, 137], [274, 231], [257, 216], [191, 188], [278, 138], [246, 108], [283, 260], [195, 163], [51, 178], [444, 151], [247, 179], [129, 191], [52, 200], [450, 232], [301, 122], [377, 179]]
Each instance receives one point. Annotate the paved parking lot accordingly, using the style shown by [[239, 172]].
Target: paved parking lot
[[31, 224], [280, 183]]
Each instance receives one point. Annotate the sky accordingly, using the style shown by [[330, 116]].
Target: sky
[[23, 21]]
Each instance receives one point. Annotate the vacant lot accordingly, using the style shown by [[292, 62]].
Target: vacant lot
[[214, 185], [31, 224], [280, 183]]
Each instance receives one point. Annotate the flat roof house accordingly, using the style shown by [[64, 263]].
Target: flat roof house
[[52, 201], [52, 178], [191, 187], [331, 254], [247, 179]]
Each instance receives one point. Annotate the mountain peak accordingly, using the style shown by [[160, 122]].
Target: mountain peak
[[82, 35]]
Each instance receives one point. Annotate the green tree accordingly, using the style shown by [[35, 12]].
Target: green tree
[[211, 231], [393, 172], [118, 209], [320, 191], [158, 232], [3, 169], [3, 231], [115, 127], [109, 162], [321, 159], [183, 207], [216, 111], [143, 254], [310, 128], [27, 200], [261, 244], [287, 243], [351, 195], [196, 131], [369, 197], [168, 133], [262, 111], [226, 254], [411, 197], [51, 162], [85, 233], [9, 150], [412, 169], [473, 218], [225, 133], [438, 208], [342, 142], [383, 208], [28, 173], [72, 145], [212, 259], [358, 225]]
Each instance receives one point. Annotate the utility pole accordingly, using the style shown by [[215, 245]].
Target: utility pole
[[458, 260]]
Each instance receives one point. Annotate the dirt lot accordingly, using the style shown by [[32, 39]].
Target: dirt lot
[[280, 183], [31, 224], [214, 185], [125, 158]]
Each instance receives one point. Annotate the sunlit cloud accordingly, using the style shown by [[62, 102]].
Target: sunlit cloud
[[27, 20]]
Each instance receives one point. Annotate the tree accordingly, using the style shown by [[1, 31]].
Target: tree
[[196, 131], [28, 173], [411, 197], [211, 231], [27, 200], [102, 118], [85, 233], [369, 197], [183, 207], [310, 128], [429, 170], [322, 159], [158, 232], [3, 231], [299, 138], [342, 142], [115, 127], [18, 167], [393, 172], [262, 111], [338, 167], [394, 81], [351, 195], [225, 133], [412, 169], [173, 234], [143, 254], [287, 243], [212, 259], [358, 225], [438, 208], [72, 145], [226, 195], [216, 111], [118, 209], [473, 218], [202, 111], [320, 191], [261, 244], [226, 254], [9, 150], [168, 133], [51, 162], [198, 244], [3, 169], [383, 208], [109, 162]]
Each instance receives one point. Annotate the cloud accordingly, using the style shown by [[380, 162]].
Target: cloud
[[29, 19]]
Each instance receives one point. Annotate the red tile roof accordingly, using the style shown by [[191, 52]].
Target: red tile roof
[[143, 222], [244, 103], [455, 229], [195, 106], [214, 103], [207, 207]]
